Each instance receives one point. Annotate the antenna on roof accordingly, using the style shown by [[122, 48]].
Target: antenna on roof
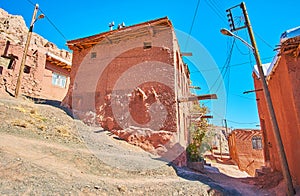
[[111, 25], [121, 25]]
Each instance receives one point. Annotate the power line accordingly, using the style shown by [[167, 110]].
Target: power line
[[220, 4], [242, 123], [260, 37], [30, 2], [55, 27], [227, 90], [225, 68], [213, 3], [223, 71], [233, 65], [251, 64], [194, 17], [192, 25], [248, 98], [238, 48], [235, 122], [224, 76], [241, 52], [214, 9]]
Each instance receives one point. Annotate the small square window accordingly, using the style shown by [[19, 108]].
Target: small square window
[[26, 69], [147, 45], [93, 55], [4, 62]]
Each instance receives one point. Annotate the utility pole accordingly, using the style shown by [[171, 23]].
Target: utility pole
[[226, 128], [220, 141], [33, 20], [279, 144]]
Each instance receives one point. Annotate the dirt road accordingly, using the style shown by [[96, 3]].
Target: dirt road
[[43, 151]]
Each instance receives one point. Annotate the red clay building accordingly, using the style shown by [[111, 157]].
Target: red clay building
[[47, 68], [283, 78], [129, 81], [246, 149], [45, 75]]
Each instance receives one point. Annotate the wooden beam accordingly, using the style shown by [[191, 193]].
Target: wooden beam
[[197, 98], [207, 116], [186, 54], [297, 51]]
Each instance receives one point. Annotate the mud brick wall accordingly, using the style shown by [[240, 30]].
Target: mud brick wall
[[37, 82], [242, 152], [129, 83], [283, 84], [31, 82]]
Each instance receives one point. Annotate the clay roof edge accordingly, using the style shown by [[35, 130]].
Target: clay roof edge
[[104, 34]]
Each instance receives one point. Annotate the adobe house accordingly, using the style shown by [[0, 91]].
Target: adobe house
[[45, 75], [129, 81], [246, 149], [283, 78], [47, 68]]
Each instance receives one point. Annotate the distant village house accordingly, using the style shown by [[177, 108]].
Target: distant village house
[[246, 149], [47, 68]]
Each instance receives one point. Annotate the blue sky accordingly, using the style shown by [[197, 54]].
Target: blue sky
[[75, 19]]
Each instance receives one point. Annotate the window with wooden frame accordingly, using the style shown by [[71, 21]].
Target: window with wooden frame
[[147, 45], [59, 80], [257, 142]]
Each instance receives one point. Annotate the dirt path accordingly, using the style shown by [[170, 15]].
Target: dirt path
[[44, 151], [30, 165]]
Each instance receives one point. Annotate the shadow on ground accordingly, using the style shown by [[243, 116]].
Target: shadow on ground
[[216, 189], [53, 103]]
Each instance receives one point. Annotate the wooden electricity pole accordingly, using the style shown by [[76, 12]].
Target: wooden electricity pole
[[279, 144], [18, 86], [226, 128], [220, 141], [278, 141]]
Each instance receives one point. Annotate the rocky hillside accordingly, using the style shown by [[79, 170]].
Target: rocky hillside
[[14, 29]]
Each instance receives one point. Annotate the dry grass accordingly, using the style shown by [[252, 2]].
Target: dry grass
[[38, 117], [20, 109], [32, 112], [63, 130], [20, 123], [42, 127], [35, 120]]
